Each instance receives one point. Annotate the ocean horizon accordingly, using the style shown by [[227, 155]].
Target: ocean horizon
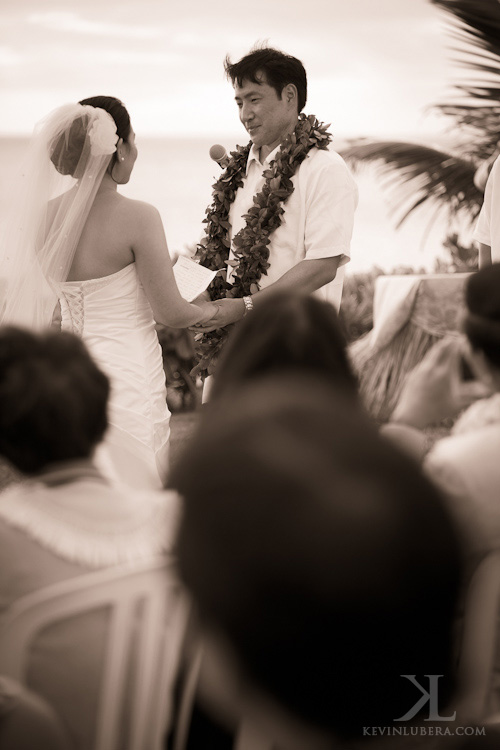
[[176, 175]]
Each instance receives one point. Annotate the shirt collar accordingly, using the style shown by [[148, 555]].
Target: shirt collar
[[254, 156]]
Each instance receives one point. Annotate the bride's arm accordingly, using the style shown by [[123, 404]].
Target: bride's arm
[[154, 267]]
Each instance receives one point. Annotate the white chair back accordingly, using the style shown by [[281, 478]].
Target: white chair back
[[480, 638], [147, 621]]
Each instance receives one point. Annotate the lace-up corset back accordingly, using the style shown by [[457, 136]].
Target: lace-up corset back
[[72, 300], [118, 297], [113, 316]]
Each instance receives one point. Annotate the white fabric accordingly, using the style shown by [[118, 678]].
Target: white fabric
[[487, 230], [56, 532], [429, 301], [61, 173], [466, 465], [318, 219], [113, 316], [392, 307], [89, 522]]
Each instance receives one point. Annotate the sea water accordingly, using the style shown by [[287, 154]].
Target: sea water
[[176, 175]]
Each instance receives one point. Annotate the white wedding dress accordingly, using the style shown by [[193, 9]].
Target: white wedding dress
[[114, 318]]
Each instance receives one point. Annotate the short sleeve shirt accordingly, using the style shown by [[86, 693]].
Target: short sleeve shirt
[[318, 219], [487, 230]]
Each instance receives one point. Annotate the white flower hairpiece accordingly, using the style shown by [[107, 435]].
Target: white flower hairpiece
[[102, 134]]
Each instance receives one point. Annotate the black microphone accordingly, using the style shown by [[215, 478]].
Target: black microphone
[[219, 154]]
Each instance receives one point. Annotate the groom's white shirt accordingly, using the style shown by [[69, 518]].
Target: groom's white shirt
[[318, 219]]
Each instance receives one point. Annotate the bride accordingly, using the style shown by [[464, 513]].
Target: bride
[[78, 252]]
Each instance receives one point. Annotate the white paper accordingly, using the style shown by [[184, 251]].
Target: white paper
[[192, 279]]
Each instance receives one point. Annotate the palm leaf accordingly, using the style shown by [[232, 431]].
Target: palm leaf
[[476, 26], [417, 175]]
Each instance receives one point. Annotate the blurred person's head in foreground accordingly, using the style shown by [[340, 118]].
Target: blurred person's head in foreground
[[287, 332], [318, 555], [53, 399], [482, 323]]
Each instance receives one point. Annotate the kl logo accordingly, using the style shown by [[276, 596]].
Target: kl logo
[[428, 696]]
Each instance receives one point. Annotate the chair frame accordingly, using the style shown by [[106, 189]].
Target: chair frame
[[479, 640], [150, 585]]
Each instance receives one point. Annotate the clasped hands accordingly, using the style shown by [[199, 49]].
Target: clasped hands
[[217, 314]]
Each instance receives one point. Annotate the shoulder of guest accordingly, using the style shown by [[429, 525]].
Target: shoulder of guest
[[494, 175], [92, 523], [466, 450]]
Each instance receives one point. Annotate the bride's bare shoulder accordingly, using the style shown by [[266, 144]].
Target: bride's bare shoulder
[[138, 210]]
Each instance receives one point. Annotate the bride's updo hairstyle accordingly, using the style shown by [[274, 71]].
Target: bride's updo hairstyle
[[482, 321], [116, 109], [70, 151], [118, 112]]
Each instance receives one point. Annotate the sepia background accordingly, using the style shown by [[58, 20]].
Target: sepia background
[[373, 69]]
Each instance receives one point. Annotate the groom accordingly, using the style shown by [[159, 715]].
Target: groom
[[302, 197]]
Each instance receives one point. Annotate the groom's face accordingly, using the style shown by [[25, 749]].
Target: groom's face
[[265, 114]]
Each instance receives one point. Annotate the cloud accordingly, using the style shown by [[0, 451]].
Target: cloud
[[370, 65], [130, 58], [9, 57], [66, 21]]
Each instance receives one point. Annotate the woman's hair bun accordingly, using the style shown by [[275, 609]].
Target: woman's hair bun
[[70, 150]]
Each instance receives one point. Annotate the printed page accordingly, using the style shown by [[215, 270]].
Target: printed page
[[192, 279]]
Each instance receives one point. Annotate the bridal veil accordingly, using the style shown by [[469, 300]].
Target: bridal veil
[[63, 169]]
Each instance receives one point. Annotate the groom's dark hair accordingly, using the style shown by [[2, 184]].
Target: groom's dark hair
[[278, 68]]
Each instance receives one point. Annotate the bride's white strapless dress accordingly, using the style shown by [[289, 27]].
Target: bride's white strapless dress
[[114, 318]]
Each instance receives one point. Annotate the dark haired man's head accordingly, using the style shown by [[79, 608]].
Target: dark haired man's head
[[323, 555], [482, 322], [53, 399], [278, 69], [287, 332], [270, 91]]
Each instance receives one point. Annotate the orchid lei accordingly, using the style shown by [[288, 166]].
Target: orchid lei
[[251, 244]]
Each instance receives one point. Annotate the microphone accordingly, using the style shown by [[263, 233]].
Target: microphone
[[219, 154]]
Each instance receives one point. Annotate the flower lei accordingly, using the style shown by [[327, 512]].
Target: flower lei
[[251, 244]]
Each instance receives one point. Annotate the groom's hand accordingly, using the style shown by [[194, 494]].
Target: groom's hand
[[229, 311]]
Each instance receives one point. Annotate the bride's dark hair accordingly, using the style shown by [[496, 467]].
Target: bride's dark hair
[[68, 149], [482, 322], [116, 109]]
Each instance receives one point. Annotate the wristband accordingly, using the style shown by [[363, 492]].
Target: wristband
[[248, 305]]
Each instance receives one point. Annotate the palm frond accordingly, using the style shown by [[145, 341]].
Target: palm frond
[[417, 174], [476, 26], [485, 121]]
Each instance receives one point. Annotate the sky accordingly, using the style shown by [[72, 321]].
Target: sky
[[374, 66]]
